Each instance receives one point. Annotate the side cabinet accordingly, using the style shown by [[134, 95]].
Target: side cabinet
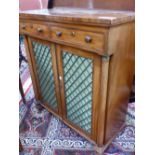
[[82, 67]]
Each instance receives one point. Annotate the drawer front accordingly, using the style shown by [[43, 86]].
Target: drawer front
[[37, 30], [87, 40], [90, 41]]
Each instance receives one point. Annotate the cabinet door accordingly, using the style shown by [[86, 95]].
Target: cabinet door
[[79, 79], [45, 71]]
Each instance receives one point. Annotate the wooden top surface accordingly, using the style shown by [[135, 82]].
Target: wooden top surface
[[82, 16]]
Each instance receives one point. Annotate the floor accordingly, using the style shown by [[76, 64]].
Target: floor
[[41, 133]]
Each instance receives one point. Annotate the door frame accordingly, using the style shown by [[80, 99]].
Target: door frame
[[55, 74], [95, 90]]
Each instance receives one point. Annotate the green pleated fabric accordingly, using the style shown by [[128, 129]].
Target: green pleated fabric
[[78, 89], [43, 59]]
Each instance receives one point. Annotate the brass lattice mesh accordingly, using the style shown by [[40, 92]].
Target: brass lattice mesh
[[43, 60], [78, 89]]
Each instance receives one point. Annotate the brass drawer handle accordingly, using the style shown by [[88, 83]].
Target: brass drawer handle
[[23, 27], [73, 34], [59, 34], [88, 39], [39, 29]]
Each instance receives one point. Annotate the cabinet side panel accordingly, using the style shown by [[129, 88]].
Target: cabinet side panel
[[121, 71]]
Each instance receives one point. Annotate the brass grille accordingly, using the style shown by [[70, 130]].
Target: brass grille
[[78, 89], [43, 60]]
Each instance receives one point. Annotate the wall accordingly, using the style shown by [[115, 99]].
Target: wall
[[32, 4], [93, 4], [99, 4]]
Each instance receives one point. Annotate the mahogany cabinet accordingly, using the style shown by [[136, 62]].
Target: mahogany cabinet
[[82, 65]]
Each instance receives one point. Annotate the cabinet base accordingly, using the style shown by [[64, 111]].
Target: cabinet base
[[97, 148]]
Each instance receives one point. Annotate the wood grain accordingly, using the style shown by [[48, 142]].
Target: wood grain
[[96, 97], [102, 107], [96, 72], [49, 33], [56, 77], [61, 80], [84, 16], [112, 53], [121, 72], [28, 49], [78, 37], [54, 68]]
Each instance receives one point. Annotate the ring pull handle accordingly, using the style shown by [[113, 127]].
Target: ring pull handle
[[88, 39], [59, 34]]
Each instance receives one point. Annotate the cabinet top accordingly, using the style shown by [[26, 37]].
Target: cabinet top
[[80, 16]]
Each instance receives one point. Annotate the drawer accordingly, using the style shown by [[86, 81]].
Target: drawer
[[85, 39], [34, 29]]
